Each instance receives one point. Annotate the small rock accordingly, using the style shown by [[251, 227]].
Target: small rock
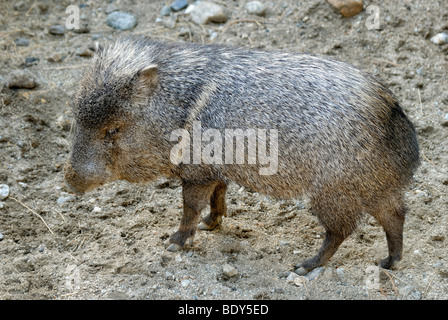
[[444, 123], [19, 6], [97, 210], [296, 279], [29, 61], [111, 7], [179, 5], [1, 236], [83, 28], [63, 200], [440, 38], [203, 12], [292, 276], [185, 283], [421, 71], [43, 7], [4, 191], [121, 20], [315, 273], [165, 11], [347, 8], [2, 205], [256, 7], [169, 21], [83, 52], [55, 57], [169, 275], [229, 270], [21, 79], [22, 42], [57, 30]]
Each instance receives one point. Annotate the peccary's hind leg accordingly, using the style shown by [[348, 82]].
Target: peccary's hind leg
[[195, 198], [391, 215], [218, 208], [339, 223]]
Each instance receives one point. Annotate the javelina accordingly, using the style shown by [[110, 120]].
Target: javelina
[[343, 139]]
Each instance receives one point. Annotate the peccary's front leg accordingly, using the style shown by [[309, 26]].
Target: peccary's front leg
[[195, 197]]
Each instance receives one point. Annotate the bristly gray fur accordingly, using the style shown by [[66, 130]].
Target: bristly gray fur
[[343, 139]]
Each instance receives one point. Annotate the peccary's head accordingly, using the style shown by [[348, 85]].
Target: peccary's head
[[112, 136]]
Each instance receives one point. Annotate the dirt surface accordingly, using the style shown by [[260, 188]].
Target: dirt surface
[[109, 243]]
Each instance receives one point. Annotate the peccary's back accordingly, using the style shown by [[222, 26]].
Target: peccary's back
[[337, 126]]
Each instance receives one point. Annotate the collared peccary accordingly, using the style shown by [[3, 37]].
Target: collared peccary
[[341, 137]]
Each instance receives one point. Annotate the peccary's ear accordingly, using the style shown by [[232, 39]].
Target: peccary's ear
[[147, 77]]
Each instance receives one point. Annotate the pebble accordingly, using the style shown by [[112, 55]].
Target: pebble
[[83, 52], [440, 38], [296, 279], [347, 8], [55, 57], [1, 236], [111, 7], [29, 61], [444, 122], [256, 7], [121, 20], [165, 11], [203, 12], [229, 270], [169, 21], [2, 204], [63, 200], [315, 273], [169, 275], [57, 30], [97, 210], [21, 79], [4, 191], [19, 6], [185, 283], [22, 42], [179, 5], [83, 28]]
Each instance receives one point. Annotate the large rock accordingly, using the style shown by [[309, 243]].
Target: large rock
[[121, 20], [22, 79], [203, 12], [347, 8]]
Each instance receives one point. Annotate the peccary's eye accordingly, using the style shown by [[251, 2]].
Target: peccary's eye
[[110, 134]]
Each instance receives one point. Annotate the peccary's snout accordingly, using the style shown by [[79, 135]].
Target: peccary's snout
[[74, 181], [80, 179]]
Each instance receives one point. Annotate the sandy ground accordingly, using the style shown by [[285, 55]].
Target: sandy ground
[[109, 244]]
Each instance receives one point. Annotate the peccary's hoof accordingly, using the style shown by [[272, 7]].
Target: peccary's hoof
[[174, 247], [211, 225], [301, 271], [389, 263], [203, 226]]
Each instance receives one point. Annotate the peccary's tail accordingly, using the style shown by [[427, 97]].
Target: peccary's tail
[[402, 139]]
